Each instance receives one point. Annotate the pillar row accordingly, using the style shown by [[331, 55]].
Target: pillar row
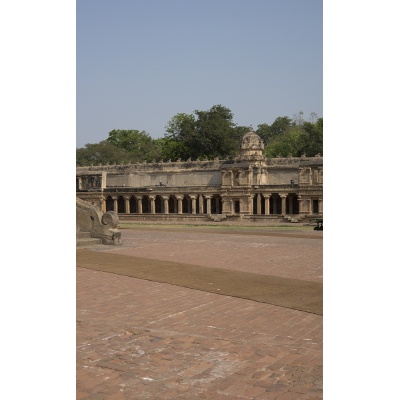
[[283, 197], [152, 204], [166, 205], [139, 204], [266, 199], [208, 198], [193, 197], [127, 205], [179, 197]]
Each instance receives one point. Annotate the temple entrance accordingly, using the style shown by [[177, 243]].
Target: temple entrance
[[292, 204], [121, 204], [109, 204], [146, 204], [133, 205], [216, 204], [172, 205], [186, 203], [315, 206], [237, 207], [159, 205], [275, 204]]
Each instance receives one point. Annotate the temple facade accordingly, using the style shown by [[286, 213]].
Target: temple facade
[[249, 187]]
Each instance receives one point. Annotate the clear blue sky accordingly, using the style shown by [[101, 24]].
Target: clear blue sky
[[139, 63]]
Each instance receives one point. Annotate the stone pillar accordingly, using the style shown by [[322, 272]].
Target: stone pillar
[[231, 206], [115, 198], [193, 197], [283, 197], [250, 204], [223, 205], [127, 205], [179, 197], [208, 198], [166, 205], [201, 204], [301, 205], [259, 203], [266, 199], [103, 204], [319, 175], [320, 208], [231, 178], [139, 204], [152, 204]]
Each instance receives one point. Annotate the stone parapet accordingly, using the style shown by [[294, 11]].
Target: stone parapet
[[155, 166], [100, 225]]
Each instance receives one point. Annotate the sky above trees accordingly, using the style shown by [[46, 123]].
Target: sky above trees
[[140, 62]]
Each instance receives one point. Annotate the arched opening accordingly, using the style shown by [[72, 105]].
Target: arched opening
[[133, 205], [315, 206], [145, 205], [292, 204], [186, 205], [216, 204], [237, 206], [109, 204], [255, 204], [159, 205], [121, 204], [172, 205], [275, 204]]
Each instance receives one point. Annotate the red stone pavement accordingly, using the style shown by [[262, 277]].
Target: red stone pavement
[[138, 339]]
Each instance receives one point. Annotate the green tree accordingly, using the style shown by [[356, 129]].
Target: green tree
[[263, 130], [287, 143], [139, 144], [208, 134], [169, 149], [269, 133], [312, 139], [280, 126], [297, 139], [100, 153]]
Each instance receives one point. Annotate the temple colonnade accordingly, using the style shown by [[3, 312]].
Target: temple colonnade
[[281, 203]]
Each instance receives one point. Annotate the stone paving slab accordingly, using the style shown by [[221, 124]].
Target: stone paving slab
[[138, 339], [282, 255]]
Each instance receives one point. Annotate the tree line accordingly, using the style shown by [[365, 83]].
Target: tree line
[[205, 135]]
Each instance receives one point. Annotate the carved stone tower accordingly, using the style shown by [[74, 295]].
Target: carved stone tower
[[251, 147]]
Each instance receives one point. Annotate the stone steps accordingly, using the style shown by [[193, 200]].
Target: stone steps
[[217, 218], [82, 235], [84, 239], [294, 218]]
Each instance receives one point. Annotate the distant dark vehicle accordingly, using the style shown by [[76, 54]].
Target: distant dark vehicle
[[319, 222]]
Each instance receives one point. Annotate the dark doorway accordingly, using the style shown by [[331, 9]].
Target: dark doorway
[[315, 206], [109, 204], [237, 206], [121, 204]]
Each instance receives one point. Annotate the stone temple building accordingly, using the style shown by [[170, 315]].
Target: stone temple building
[[249, 187]]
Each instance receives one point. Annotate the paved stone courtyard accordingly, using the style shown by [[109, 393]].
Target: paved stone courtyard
[[138, 339]]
